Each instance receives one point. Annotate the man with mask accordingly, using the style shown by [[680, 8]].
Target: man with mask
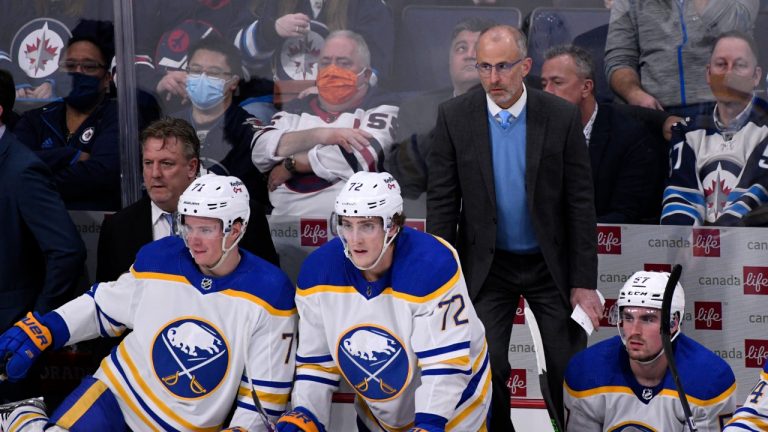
[[78, 137], [225, 129], [315, 144], [718, 163]]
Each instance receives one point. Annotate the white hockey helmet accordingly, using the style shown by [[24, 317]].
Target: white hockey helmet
[[370, 194], [646, 289], [219, 197]]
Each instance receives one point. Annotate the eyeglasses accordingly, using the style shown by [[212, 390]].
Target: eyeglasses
[[212, 72], [503, 68], [87, 67]]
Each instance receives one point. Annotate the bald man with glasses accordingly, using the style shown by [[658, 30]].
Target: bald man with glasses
[[510, 169]]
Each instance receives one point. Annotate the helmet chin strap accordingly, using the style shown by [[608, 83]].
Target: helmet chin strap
[[381, 254], [225, 249]]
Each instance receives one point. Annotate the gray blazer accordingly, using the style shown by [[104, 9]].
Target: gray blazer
[[461, 199]]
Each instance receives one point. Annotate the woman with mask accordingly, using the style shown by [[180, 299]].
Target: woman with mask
[[78, 137], [225, 129]]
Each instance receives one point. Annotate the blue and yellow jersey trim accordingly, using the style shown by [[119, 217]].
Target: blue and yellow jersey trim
[[665, 392], [160, 276], [273, 310]]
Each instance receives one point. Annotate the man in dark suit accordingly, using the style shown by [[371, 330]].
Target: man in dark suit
[[170, 161], [626, 175], [519, 189]]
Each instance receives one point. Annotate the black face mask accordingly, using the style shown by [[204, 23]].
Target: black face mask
[[85, 93]]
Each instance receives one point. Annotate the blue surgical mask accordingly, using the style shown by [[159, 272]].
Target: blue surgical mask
[[86, 91], [205, 92]]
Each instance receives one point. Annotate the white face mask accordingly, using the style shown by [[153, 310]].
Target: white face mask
[[204, 91]]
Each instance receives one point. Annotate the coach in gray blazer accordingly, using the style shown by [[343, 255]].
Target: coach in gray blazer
[[509, 168]]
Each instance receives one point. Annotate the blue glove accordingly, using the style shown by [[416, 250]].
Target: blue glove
[[299, 420], [21, 345]]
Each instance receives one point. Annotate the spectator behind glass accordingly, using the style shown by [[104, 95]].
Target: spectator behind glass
[[225, 130], [510, 187], [626, 178], [417, 115], [33, 38], [656, 53], [290, 34], [78, 137], [318, 142], [718, 173], [41, 253], [170, 162]]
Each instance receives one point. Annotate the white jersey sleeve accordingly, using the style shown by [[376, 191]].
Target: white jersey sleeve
[[269, 370], [583, 414], [441, 341], [317, 375], [106, 310], [332, 163], [265, 140], [753, 416]]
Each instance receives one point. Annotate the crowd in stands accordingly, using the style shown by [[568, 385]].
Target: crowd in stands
[[659, 108]]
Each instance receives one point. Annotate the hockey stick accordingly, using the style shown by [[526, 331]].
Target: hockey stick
[[666, 340], [541, 365], [256, 402]]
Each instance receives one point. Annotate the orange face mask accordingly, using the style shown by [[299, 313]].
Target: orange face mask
[[337, 85], [731, 88]]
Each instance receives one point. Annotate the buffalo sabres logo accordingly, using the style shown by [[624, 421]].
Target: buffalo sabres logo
[[38, 46], [373, 361], [297, 60], [190, 357]]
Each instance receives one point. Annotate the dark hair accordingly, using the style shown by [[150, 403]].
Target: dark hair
[[7, 94], [99, 33], [217, 44], [581, 57], [738, 35], [170, 127], [471, 24]]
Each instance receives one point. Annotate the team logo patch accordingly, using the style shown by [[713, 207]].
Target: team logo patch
[[718, 178], [87, 135], [373, 361], [172, 49], [190, 357], [206, 283], [297, 60], [37, 46]]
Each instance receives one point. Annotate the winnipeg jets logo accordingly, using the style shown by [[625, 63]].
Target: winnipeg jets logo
[[298, 57], [38, 46], [373, 361], [87, 135], [718, 179], [190, 357]]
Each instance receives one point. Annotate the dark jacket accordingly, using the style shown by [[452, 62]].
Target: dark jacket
[[93, 184], [41, 253]]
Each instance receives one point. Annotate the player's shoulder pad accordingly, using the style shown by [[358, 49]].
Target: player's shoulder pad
[[161, 256], [596, 366], [324, 266], [262, 279], [692, 358], [423, 263]]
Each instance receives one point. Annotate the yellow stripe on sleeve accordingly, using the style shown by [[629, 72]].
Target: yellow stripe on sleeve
[[471, 407], [160, 276], [330, 370], [597, 391], [273, 398]]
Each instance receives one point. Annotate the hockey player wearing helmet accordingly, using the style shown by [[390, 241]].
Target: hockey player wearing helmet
[[385, 307], [632, 387], [211, 324]]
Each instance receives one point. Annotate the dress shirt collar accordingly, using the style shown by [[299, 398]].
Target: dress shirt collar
[[515, 109]]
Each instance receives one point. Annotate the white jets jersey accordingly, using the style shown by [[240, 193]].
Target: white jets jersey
[[602, 394], [408, 343], [753, 416], [314, 194], [198, 342], [718, 177]]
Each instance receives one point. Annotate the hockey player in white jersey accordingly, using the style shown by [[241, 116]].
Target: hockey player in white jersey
[[623, 383], [386, 308], [211, 323], [753, 415]]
